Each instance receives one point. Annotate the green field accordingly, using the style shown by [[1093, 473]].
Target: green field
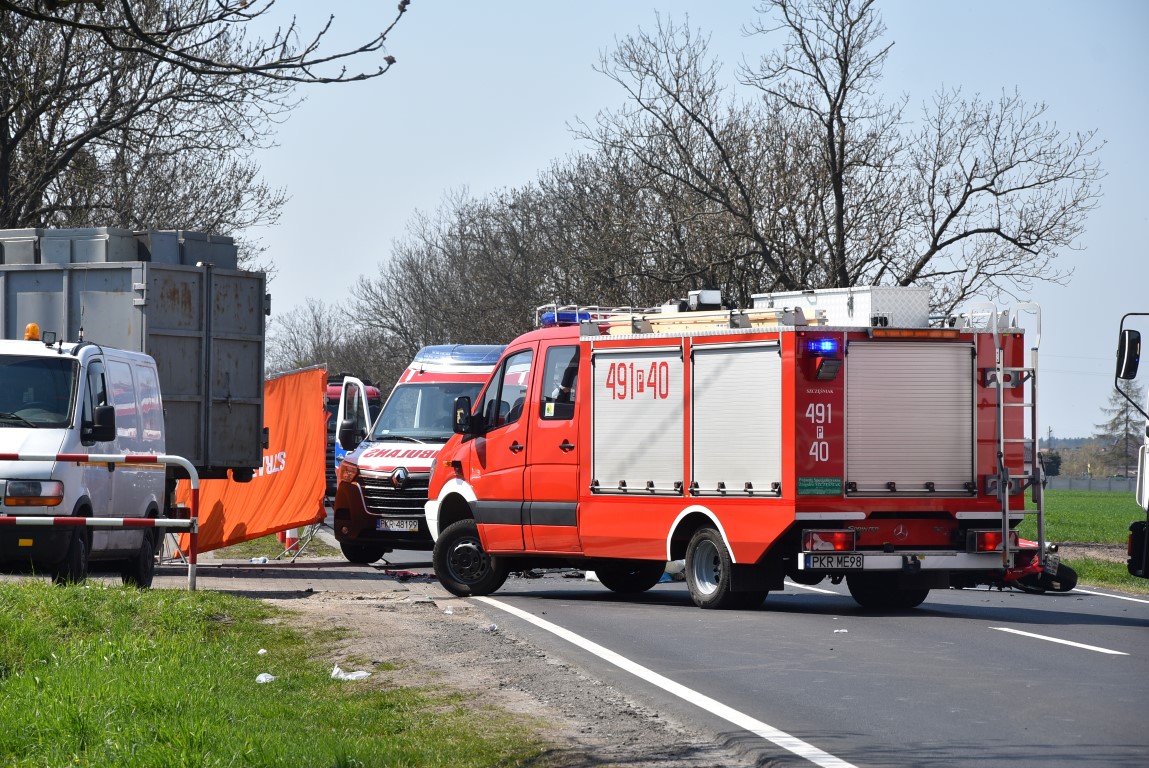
[[111, 676], [1091, 517]]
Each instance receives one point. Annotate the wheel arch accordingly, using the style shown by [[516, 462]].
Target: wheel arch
[[684, 527]]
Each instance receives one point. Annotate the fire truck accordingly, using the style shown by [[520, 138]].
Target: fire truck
[[381, 486], [841, 434], [1128, 359]]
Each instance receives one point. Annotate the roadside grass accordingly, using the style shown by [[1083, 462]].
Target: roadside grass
[[1091, 517], [269, 547], [110, 676]]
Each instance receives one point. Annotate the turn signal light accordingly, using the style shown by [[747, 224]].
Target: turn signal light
[[348, 471], [828, 541]]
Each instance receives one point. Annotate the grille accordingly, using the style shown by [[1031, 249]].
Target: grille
[[383, 498]]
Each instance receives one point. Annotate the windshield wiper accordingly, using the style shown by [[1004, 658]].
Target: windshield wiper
[[408, 438], [14, 417]]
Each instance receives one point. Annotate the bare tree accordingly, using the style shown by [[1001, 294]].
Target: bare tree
[[819, 183], [90, 137], [210, 38], [319, 334]]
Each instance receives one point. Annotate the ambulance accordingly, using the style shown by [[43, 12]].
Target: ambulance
[[842, 434], [381, 485]]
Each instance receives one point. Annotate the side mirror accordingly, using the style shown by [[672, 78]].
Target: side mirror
[[103, 426], [349, 436], [1128, 353], [462, 420]]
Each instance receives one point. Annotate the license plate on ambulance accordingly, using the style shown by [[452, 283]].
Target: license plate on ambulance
[[837, 562], [411, 526]]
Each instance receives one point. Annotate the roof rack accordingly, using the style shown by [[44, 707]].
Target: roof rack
[[669, 318]]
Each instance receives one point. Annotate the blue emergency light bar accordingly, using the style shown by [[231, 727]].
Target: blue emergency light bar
[[563, 317], [822, 346], [460, 354]]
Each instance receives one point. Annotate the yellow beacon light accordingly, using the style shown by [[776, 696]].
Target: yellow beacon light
[[31, 332]]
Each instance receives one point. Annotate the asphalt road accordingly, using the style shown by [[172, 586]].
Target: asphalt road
[[952, 683]]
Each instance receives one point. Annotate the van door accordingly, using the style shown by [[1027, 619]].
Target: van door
[[97, 480], [552, 455], [353, 406], [128, 488], [498, 457]]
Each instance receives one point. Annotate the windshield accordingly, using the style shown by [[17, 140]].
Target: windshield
[[423, 411], [36, 391]]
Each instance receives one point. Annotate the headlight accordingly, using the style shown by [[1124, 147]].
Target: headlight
[[348, 471], [33, 493], [434, 463]]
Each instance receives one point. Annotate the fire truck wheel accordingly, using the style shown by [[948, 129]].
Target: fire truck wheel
[[461, 564], [139, 571], [362, 554], [632, 577], [708, 571], [881, 592], [73, 569]]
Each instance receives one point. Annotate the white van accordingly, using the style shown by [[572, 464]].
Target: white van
[[81, 398]]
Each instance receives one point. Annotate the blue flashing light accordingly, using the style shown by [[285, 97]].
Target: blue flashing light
[[460, 354], [822, 346], [564, 317]]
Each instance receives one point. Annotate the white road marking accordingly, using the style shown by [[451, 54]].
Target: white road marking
[[811, 589], [1062, 642], [1115, 597], [717, 708]]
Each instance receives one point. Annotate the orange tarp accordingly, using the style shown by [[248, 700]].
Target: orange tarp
[[287, 491]]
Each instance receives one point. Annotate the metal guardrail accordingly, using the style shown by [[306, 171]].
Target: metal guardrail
[[191, 524]]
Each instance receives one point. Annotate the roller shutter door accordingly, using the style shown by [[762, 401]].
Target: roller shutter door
[[637, 420], [737, 418], [909, 416]]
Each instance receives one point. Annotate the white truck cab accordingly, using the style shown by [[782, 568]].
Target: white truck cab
[[78, 398], [1128, 360]]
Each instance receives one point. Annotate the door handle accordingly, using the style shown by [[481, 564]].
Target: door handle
[[516, 447], [566, 446]]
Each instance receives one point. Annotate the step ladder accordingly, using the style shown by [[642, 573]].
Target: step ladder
[[1000, 378]]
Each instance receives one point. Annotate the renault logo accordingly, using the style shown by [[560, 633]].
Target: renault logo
[[399, 478]]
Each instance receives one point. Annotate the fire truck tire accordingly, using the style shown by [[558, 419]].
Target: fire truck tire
[[708, 571], [73, 569], [630, 578], [139, 571], [462, 566], [362, 554], [881, 592]]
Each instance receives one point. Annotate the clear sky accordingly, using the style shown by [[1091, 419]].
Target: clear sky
[[484, 92]]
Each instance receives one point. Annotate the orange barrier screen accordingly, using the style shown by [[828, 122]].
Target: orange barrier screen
[[287, 492]]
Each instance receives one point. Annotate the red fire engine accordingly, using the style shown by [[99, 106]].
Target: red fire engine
[[838, 434]]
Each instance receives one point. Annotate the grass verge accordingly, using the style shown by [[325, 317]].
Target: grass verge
[[109, 676], [1092, 517]]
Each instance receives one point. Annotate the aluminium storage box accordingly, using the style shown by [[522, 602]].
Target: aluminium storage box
[[898, 306], [205, 327]]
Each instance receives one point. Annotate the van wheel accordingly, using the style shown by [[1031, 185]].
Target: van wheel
[[708, 571], [462, 566], [73, 569], [881, 592], [139, 570], [362, 554], [630, 577]]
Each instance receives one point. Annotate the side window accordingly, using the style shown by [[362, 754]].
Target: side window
[[505, 398], [151, 409], [124, 398], [560, 383]]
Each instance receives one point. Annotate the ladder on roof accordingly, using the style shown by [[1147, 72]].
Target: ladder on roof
[[616, 321], [1001, 378]]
